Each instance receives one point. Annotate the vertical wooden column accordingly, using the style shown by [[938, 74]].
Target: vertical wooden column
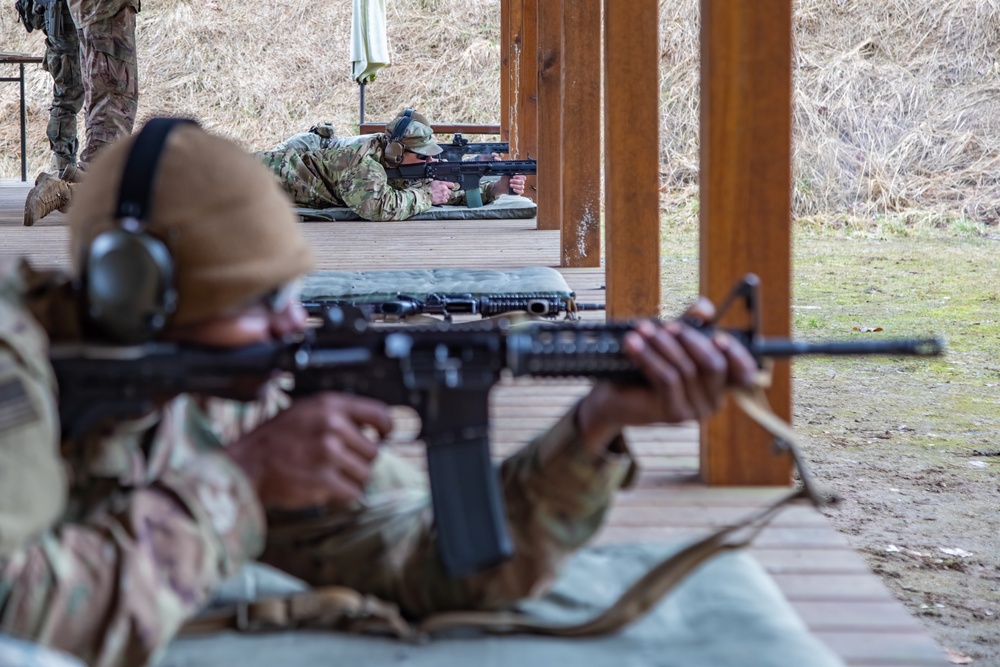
[[632, 157], [515, 19], [581, 134], [527, 107], [549, 179], [505, 120], [745, 190]]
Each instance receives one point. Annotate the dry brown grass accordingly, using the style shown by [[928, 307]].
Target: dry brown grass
[[258, 71], [895, 103]]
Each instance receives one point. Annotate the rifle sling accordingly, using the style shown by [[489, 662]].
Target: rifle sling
[[340, 608]]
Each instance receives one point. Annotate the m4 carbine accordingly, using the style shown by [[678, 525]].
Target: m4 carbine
[[467, 174], [448, 304], [444, 372]]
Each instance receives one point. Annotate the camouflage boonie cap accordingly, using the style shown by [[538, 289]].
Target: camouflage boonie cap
[[418, 135]]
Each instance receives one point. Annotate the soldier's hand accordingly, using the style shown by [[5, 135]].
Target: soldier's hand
[[441, 192], [513, 184], [315, 453], [688, 373]]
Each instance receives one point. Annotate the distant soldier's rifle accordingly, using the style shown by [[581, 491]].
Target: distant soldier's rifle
[[447, 304], [467, 173], [460, 147]]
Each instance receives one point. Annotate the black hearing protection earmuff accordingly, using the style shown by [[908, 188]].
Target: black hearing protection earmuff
[[128, 274], [394, 150]]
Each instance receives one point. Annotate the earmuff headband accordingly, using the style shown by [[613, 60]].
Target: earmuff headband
[[140, 168], [397, 132]]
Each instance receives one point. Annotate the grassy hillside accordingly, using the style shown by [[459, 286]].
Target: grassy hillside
[[895, 102]]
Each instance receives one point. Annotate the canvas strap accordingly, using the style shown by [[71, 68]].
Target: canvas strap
[[346, 609]]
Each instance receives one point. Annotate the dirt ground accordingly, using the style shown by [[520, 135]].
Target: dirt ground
[[912, 446]]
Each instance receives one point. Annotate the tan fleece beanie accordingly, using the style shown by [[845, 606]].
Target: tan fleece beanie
[[231, 231]]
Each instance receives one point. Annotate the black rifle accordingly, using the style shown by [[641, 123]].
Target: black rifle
[[539, 304], [445, 373], [467, 174], [40, 15], [460, 147]]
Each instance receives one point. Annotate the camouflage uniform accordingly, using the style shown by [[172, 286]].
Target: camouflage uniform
[[151, 525], [156, 507], [110, 71], [351, 174], [62, 61]]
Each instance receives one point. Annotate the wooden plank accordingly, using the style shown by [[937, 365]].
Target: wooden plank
[[889, 648], [799, 538], [786, 560], [856, 616], [549, 179], [745, 193], [581, 135], [831, 587], [631, 515], [632, 158], [440, 128]]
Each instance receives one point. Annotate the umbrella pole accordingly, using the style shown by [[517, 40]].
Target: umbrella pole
[[361, 103]]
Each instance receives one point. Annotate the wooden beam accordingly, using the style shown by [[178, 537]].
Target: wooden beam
[[526, 145], [581, 134], [549, 178], [515, 18], [439, 128], [745, 192], [632, 157], [505, 70]]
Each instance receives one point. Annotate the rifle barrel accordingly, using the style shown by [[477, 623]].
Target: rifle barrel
[[782, 348]]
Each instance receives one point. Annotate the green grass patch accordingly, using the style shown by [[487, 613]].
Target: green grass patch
[[911, 275]]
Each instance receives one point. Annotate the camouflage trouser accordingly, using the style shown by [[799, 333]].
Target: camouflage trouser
[[555, 498], [62, 60], [111, 80]]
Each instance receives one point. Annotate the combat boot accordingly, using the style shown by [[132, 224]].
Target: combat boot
[[49, 194], [71, 173]]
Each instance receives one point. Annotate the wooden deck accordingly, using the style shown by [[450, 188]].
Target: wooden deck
[[829, 585]]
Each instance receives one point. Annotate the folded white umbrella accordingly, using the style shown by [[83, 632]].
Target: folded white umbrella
[[369, 43]]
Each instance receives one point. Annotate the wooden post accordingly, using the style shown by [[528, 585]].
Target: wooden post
[[632, 157], [581, 134], [745, 191], [549, 178], [515, 21], [505, 69], [527, 98]]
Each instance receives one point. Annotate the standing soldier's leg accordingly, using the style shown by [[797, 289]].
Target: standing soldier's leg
[[110, 74], [62, 61]]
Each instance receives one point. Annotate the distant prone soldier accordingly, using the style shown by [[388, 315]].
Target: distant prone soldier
[[318, 170]]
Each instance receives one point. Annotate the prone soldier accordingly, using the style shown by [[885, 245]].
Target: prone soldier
[[318, 170]]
